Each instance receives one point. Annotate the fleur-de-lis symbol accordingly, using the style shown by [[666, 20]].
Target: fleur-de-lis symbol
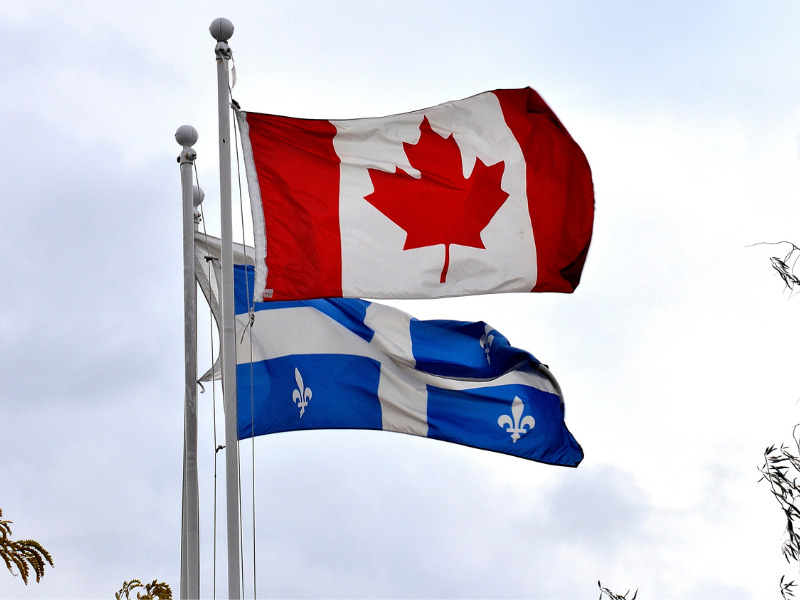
[[516, 427], [486, 343], [302, 394]]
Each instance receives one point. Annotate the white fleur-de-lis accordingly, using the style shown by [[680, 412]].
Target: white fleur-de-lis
[[516, 427], [302, 394], [486, 343]]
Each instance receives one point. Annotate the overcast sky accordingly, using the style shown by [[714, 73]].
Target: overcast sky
[[677, 354]]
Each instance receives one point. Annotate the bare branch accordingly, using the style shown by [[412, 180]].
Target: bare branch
[[781, 470], [604, 591], [785, 267], [787, 590]]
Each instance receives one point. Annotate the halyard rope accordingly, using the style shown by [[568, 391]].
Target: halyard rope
[[251, 312], [213, 402]]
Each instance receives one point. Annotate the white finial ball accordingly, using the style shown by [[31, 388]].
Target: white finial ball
[[186, 135], [221, 29], [198, 195]]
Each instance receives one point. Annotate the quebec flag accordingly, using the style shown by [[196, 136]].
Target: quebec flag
[[351, 364]]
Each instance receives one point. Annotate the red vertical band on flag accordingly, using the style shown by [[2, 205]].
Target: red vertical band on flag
[[559, 188], [298, 174]]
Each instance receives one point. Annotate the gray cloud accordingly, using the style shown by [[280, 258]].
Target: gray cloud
[[675, 354]]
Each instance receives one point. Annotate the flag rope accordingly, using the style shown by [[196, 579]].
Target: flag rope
[[236, 134], [216, 446]]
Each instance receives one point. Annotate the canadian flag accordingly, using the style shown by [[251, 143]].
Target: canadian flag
[[482, 195]]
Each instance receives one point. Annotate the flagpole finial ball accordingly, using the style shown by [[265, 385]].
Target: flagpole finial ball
[[221, 29], [198, 195], [186, 135]]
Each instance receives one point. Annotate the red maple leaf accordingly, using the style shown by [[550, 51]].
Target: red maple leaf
[[441, 207]]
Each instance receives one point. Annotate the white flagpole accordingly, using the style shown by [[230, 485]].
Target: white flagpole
[[221, 30], [186, 136]]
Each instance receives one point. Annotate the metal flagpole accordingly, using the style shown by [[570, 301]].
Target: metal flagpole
[[186, 136], [221, 30]]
